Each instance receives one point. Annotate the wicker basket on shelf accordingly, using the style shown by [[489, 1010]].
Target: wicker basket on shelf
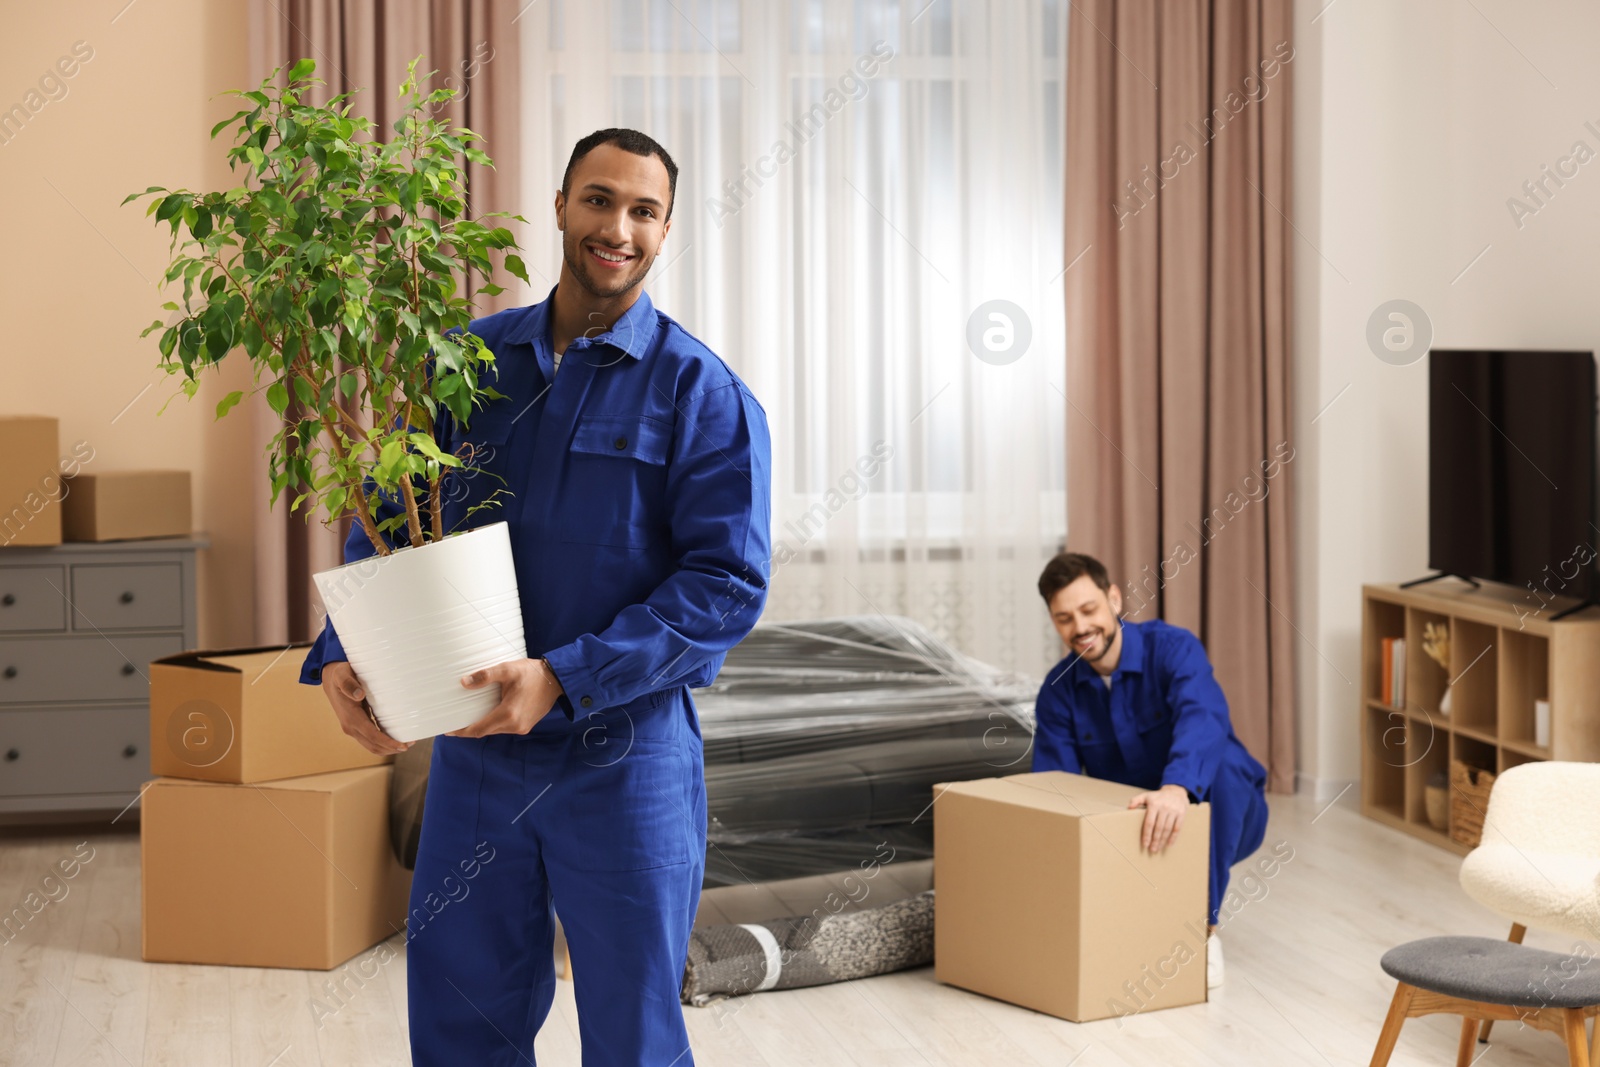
[[1469, 799]]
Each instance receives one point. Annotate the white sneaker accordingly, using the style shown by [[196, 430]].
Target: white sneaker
[[1213, 961]]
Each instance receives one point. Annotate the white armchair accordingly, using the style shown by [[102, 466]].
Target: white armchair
[[1538, 862]]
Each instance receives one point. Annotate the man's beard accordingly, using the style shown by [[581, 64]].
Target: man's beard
[[1109, 639], [578, 261]]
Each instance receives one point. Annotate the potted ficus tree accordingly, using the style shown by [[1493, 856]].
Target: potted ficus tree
[[337, 269]]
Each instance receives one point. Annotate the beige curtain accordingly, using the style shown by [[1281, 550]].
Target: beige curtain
[[366, 45], [1179, 450]]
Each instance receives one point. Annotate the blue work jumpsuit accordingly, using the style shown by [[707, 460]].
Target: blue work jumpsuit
[[1164, 721], [641, 535]]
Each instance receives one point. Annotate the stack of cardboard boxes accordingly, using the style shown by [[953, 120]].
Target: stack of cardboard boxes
[[265, 840], [265, 843]]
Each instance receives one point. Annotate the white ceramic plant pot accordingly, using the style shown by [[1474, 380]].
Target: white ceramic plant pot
[[414, 622]]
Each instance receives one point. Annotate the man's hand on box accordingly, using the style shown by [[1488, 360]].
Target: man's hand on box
[[528, 690], [1164, 810], [349, 702]]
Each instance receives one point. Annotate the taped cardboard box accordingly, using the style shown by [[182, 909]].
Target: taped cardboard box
[[294, 873], [30, 480], [1046, 899], [127, 506], [242, 716]]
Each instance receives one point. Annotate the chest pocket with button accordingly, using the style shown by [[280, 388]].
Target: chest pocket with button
[[616, 491], [1092, 732]]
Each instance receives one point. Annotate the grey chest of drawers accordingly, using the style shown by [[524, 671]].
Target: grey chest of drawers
[[79, 625]]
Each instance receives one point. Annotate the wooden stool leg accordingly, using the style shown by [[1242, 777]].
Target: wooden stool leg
[[1594, 1048], [1577, 1039], [1518, 931], [1469, 1030], [1392, 1024]]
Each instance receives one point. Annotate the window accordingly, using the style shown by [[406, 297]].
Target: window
[[867, 228]]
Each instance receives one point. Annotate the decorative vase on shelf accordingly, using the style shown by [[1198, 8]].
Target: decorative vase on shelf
[[1436, 645]]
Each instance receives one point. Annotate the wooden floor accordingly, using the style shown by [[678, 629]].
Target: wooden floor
[[1303, 980]]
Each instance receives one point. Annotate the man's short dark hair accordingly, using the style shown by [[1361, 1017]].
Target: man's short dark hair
[[1067, 568], [629, 141]]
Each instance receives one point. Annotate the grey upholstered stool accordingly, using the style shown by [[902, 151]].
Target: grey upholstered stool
[[1483, 978]]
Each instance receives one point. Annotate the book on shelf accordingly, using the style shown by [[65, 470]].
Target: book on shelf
[[1399, 699], [1397, 695], [1392, 685]]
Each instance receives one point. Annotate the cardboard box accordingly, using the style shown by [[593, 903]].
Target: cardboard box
[[30, 480], [242, 716], [1046, 899], [296, 873], [127, 505]]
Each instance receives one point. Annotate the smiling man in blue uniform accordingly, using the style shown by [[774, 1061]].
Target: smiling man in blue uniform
[[1136, 703], [639, 472]]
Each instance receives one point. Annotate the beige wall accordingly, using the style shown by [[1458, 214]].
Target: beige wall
[[77, 273], [1415, 122]]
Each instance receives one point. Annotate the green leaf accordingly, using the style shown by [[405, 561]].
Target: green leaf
[[169, 207], [302, 70], [427, 446], [390, 456], [228, 402], [278, 397], [235, 117], [515, 266]]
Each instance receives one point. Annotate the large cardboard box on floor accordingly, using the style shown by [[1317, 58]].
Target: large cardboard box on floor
[[1047, 900], [295, 873], [242, 716], [127, 505], [30, 480]]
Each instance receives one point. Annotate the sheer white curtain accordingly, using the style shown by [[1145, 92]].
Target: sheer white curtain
[[860, 179]]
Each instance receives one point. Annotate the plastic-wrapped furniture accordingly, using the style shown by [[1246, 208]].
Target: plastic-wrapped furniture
[[824, 739]]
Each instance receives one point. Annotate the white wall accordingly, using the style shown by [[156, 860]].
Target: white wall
[[1415, 121]]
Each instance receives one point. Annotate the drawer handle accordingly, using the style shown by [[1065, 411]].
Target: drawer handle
[[12, 755], [128, 668], [127, 598], [130, 752], [10, 672], [7, 600]]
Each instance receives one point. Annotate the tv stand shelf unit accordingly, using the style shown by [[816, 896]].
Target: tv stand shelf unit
[[1505, 653]]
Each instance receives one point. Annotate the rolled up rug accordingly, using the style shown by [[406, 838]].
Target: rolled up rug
[[807, 950]]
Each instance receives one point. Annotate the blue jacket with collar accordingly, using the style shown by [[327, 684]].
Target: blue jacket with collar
[[1164, 720]]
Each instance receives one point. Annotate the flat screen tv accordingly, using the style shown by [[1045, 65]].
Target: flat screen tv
[[1511, 468]]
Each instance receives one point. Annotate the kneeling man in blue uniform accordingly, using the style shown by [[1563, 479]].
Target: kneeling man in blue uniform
[[1136, 703], [639, 472]]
